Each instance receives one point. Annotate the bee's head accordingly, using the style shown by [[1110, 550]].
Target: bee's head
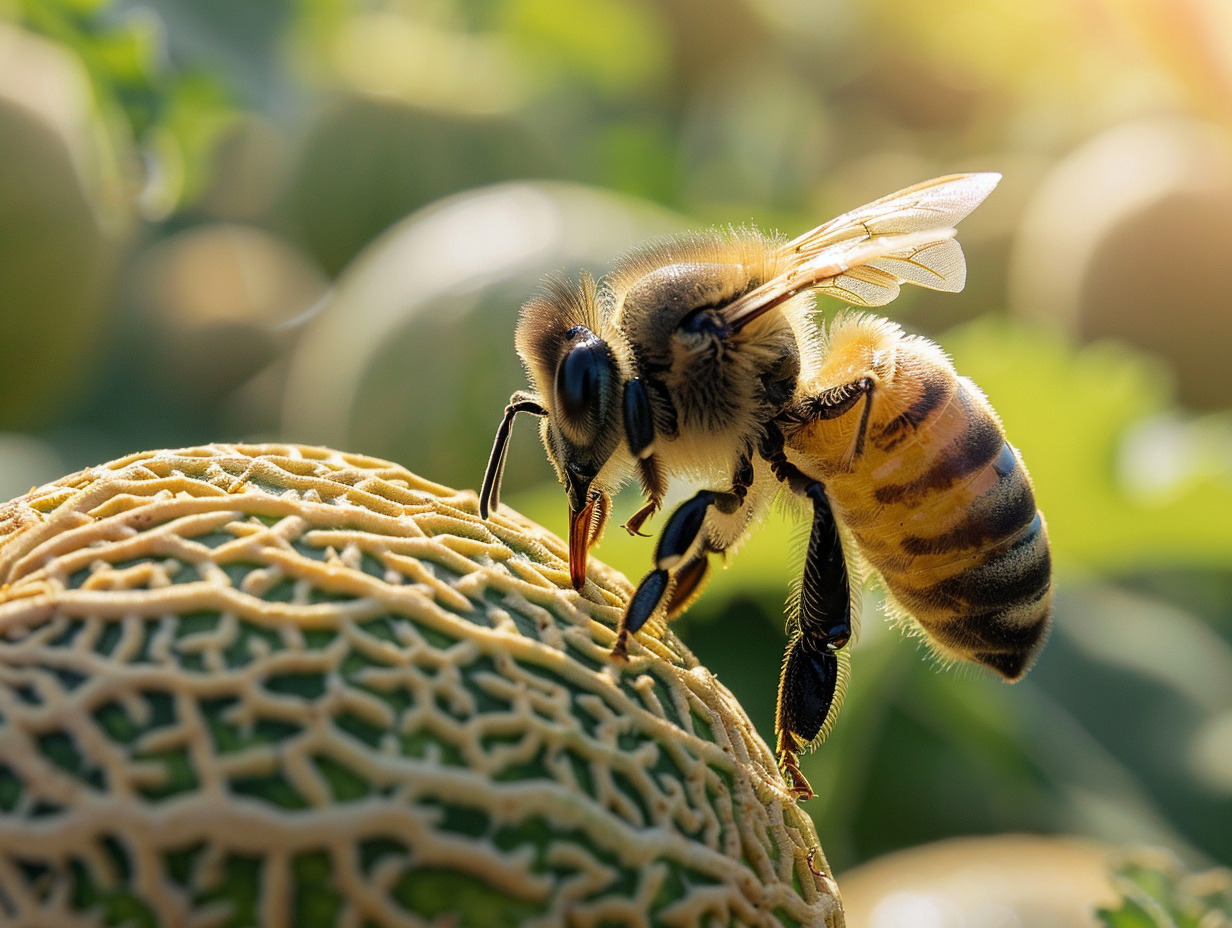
[[573, 362]]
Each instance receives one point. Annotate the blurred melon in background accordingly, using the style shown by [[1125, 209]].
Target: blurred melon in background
[[1127, 238], [64, 228]]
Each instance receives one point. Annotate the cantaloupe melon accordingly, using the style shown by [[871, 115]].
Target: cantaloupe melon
[[277, 685]]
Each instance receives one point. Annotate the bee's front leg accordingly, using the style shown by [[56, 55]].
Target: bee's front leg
[[650, 473], [640, 434], [633, 525]]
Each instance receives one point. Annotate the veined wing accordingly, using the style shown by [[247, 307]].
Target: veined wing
[[864, 256]]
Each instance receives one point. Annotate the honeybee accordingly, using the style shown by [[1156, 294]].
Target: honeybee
[[698, 357]]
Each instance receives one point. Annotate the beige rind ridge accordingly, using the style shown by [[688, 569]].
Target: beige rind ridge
[[281, 685]]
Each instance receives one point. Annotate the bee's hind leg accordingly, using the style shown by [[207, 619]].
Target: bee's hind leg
[[813, 677], [681, 557]]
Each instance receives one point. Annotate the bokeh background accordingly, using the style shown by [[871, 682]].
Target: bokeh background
[[314, 220]]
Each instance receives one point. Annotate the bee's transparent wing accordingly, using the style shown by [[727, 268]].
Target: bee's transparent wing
[[864, 256], [940, 203], [925, 259]]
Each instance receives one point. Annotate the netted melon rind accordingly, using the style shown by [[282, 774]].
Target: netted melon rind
[[280, 685]]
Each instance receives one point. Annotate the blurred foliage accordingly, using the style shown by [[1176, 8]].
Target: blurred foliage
[[1076, 416], [1159, 893], [242, 177], [175, 115]]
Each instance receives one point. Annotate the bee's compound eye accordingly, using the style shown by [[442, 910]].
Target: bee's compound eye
[[584, 378]]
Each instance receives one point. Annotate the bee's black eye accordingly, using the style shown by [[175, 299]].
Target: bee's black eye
[[584, 379]]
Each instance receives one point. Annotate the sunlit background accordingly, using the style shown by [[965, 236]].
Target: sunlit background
[[314, 220]]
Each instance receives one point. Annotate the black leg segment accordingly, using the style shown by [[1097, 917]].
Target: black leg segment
[[806, 691], [682, 529], [650, 593], [680, 561], [489, 495], [645, 601], [814, 669], [639, 421], [677, 539], [813, 677], [825, 591]]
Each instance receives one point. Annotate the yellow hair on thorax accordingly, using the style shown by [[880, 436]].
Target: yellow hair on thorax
[[859, 345]]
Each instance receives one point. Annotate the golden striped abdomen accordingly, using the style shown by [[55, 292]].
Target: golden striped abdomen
[[941, 505]]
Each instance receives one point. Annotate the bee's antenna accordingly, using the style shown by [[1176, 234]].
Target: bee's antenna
[[489, 495]]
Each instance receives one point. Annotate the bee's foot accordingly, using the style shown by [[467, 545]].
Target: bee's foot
[[620, 650], [798, 786], [812, 854]]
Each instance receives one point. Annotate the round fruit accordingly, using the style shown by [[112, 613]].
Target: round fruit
[[279, 686]]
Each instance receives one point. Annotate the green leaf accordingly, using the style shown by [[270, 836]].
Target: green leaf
[[175, 117], [1156, 892]]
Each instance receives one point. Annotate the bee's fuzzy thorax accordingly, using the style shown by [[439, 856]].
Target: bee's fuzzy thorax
[[745, 248]]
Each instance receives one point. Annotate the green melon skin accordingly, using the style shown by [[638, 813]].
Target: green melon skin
[[286, 686]]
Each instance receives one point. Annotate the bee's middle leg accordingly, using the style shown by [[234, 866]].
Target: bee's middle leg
[[681, 557]]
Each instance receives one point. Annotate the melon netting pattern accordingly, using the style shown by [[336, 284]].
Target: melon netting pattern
[[280, 685]]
